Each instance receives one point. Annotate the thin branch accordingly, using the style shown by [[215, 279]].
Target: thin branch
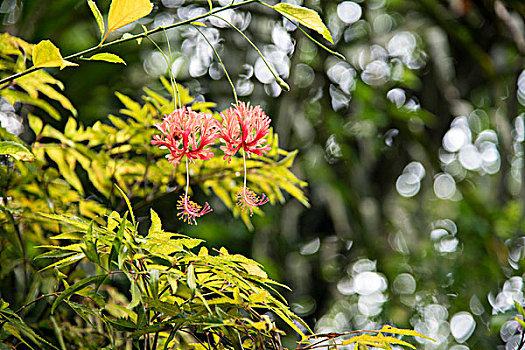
[[22, 308], [133, 37]]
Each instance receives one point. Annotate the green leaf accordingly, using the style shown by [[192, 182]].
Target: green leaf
[[172, 281], [306, 17], [192, 282], [130, 208], [46, 54], [393, 330], [136, 296], [35, 123], [66, 167], [14, 96], [16, 150], [66, 261], [58, 333], [156, 225], [91, 247], [107, 57], [75, 288], [123, 325], [115, 247], [83, 311], [71, 220], [69, 235], [98, 17]]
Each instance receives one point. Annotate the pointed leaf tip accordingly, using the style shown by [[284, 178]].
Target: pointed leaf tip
[[107, 57], [305, 16], [98, 17], [46, 54]]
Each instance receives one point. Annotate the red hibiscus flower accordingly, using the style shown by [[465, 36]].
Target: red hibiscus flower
[[187, 133], [244, 126]]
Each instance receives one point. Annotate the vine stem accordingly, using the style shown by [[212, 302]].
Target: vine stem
[[133, 37]]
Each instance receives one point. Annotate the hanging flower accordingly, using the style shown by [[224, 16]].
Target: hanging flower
[[187, 133], [244, 126], [189, 210], [247, 200]]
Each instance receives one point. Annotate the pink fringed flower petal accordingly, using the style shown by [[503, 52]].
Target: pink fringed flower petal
[[187, 133], [244, 126]]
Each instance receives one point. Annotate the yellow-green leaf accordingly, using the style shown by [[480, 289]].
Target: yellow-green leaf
[[255, 270], [306, 17], [258, 297], [393, 330], [122, 12], [190, 278], [98, 17], [46, 54], [136, 297], [16, 150], [107, 57], [156, 225], [35, 123]]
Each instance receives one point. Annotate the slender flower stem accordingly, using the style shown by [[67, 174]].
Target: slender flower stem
[[245, 172], [133, 37], [174, 86], [187, 183], [279, 80], [222, 64]]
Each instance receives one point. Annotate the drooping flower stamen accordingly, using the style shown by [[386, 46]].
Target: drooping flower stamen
[[247, 200], [190, 211]]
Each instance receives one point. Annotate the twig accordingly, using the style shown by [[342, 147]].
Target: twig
[[22, 308], [133, 37]]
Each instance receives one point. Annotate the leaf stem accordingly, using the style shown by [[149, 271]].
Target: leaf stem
[[133, 37]]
